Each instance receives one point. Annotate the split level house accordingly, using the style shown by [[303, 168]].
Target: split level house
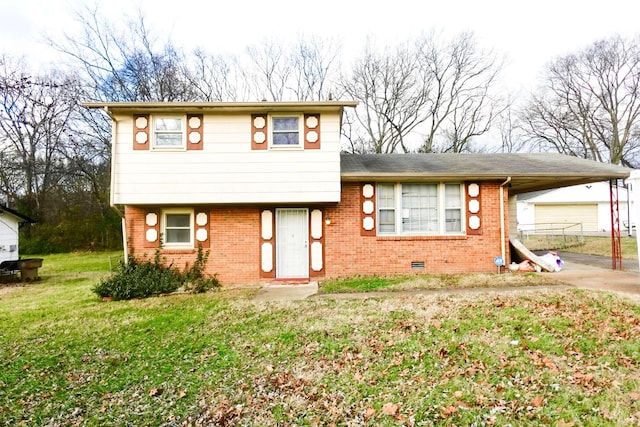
[[264, 188]]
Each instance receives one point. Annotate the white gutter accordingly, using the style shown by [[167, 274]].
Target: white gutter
[[634, 211], [502, 233]]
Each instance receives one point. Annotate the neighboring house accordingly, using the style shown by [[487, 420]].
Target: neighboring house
[[264, 189], [10, 221], [587, 205]]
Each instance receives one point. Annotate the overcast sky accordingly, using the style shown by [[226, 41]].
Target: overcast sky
[[528, 33]]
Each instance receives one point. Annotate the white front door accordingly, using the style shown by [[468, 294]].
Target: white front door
[[292, 241]]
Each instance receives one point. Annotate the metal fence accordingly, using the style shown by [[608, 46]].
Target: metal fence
[[541, 236], [114, 262]]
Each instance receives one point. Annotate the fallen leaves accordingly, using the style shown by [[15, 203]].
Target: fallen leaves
[[537, 401], [154, 392], [369, 412], [390, 409], [454, 361]]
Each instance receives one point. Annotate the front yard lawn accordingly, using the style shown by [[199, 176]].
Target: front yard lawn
[[440, 281], [563, 357]]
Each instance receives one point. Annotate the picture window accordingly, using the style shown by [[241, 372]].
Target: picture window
[[419, 208]]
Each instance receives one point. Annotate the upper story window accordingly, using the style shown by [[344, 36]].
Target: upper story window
[[286, 131], [419, 208], [282, 131], [168, 132], [178, 228]]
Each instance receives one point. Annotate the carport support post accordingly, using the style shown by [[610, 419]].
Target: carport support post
[[616, 248], [634, 199]]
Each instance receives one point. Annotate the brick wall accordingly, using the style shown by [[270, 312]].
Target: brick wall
[[349, 253], [234, 233], [234, 251]]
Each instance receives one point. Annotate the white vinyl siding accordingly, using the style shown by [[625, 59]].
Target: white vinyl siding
[[419, 209], [226, 170], [9, 227]]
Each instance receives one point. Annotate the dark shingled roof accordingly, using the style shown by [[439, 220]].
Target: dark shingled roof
[[528, 172], [17, 214]]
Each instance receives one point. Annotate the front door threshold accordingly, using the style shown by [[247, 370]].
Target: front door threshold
[[291, 281]]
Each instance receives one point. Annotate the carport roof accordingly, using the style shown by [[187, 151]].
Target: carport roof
[[528, 172]]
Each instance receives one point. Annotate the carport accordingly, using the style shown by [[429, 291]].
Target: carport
[[534, 172]]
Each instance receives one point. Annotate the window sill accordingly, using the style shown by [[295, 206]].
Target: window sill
[[433, 237], [169, 149], [177, 251], [287, 147]]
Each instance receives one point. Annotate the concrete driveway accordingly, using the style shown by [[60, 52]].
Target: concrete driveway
[[594, 272]]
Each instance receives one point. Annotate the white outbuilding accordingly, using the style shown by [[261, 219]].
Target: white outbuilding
[[10, 221]]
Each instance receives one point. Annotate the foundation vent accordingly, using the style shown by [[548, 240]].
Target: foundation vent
[[417, 264]]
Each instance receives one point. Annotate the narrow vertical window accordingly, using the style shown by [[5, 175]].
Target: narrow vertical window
[[386, 209], [453, 208]]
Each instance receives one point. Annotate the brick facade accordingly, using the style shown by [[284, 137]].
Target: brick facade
[[349, 253], [234, 250], [234, 239]]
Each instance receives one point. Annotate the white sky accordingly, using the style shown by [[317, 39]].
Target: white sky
[[528, 33]]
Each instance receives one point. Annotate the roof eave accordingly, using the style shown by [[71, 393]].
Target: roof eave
[[220, 107], [16, 214], [357, 176], [518, 184]]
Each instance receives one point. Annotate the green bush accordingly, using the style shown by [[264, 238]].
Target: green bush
[[196, 280], [34, 245], [145, 278]]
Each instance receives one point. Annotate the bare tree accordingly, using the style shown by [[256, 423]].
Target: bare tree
[[127, 64], [313, 60], [34, 120], [439, 92], [269, 72], [461, 103], [277, 71], [214, 78], [512, 136], [589, 105], [392, 90]]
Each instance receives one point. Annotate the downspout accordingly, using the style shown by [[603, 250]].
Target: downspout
[[114, 130], [502, 232], [124, 231]]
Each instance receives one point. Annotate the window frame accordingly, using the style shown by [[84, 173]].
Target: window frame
[[400, 210], [178, 245], [155, 132], [273, 131]]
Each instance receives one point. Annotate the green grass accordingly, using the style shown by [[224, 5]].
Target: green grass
[[602, 246], [533, 358], [431, 281], [593, 245]]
